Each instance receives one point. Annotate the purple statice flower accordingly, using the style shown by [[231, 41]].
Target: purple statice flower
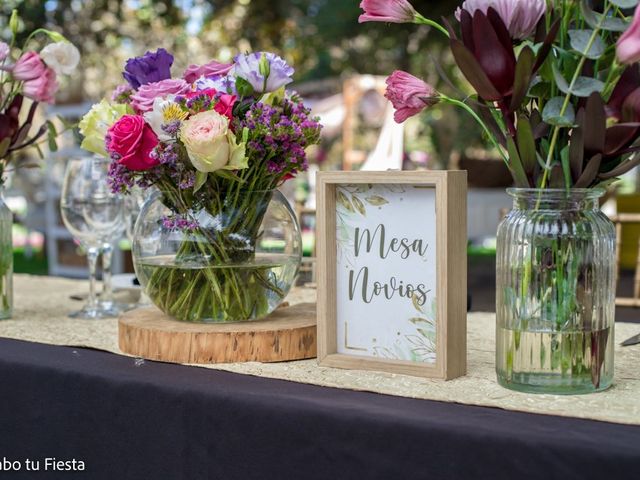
[[187, 181], [279, 134], [171, 128], [265, 71], [149, 68], [221, 83], [120, 178], [178, 222], [122, 94]]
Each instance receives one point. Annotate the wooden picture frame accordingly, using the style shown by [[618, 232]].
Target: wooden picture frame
[[340, 193]]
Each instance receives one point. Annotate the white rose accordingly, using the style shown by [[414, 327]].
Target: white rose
[[210, 144], [62, 57]]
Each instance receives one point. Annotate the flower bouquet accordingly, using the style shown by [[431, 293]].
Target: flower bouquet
[[214, 144], [556, 87], [31, 74]]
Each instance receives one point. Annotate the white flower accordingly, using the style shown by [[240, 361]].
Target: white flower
[[62, 57], [164, 112]]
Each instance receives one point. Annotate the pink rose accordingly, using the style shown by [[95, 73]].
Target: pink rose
[[194, 72], [408, 95], [142, 100], [628, 46], [225, 105], [224, 102], [42, 88], [28, 67], [133, 140]]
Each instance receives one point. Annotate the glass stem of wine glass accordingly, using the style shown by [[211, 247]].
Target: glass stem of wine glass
[[92, 260], [107, 289]]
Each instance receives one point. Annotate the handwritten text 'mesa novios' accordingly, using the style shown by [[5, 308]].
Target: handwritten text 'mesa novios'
[[377, 242]]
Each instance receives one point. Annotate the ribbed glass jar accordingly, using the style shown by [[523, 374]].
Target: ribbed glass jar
[[6, 261], [555, 296]]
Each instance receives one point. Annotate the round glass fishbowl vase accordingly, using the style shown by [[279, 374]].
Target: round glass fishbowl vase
[[232, 260]]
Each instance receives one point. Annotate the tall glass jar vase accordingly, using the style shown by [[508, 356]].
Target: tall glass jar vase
[[6, 261], [555, 293]]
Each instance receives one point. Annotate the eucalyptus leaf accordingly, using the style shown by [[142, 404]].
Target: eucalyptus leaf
[[583, 87], [596, 20], [579, 40], [551, 113]]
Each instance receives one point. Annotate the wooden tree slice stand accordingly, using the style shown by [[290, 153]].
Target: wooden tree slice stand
[[289, 333]]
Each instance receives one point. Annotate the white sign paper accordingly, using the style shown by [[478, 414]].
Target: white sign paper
[[386, 271]]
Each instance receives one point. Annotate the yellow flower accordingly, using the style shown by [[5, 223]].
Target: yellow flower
[[96, 122]]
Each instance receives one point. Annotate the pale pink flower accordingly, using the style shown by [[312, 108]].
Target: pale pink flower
[[409, 95], [28, 66], [142, 100], [4, 51], [194, 72], [520, 17], [628, 46], [210, 143], [392, 11], [42, 88]]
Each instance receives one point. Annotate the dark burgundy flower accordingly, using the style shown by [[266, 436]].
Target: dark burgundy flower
[[149, 68], [624, 102]]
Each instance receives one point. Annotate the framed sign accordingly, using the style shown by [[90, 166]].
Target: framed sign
[[392, 271]]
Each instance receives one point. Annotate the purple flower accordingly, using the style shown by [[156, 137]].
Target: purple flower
[[265, 71], [520, 17], [151, 67], [122, 94], [226, 83]]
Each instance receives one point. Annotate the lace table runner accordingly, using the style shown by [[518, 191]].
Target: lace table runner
[[41, 305]]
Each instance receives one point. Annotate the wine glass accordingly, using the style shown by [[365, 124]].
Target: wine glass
[[94, 216]]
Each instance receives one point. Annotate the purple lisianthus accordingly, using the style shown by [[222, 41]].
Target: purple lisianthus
[[265, 71], [151, 67], [225, 84]]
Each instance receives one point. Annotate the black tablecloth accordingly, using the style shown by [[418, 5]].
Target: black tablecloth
[[131, 420]]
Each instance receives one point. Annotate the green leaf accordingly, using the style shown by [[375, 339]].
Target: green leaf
[[51, 136], [244, 88], [579, 40], [624, 3], [596, 20], [201, 179], [583, 87], [526, 145], [376, 200], [551, 113], [515, 165]]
